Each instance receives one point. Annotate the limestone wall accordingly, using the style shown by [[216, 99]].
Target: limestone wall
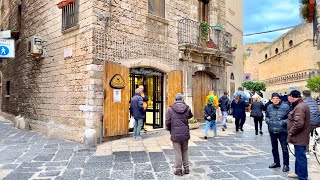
[[293, 64], [251, 61], [52, 92], [234, 25]]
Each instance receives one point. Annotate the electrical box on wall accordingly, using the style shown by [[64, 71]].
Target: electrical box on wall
[[35, 46]]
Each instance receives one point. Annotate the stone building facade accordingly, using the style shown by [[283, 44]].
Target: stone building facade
[[288, 62], [234, 25], [252, 58], [157, 45]]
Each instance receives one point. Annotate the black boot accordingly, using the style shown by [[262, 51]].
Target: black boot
[[261, 132], [178, 172], [186, 170], [256, 132], [285, 168], [274, 165]]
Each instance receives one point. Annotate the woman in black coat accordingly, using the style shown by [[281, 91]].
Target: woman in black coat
[[256, 112], [238, 106]]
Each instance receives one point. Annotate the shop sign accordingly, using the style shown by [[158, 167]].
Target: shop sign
[[5, 34], [117, 82], [7, 48]]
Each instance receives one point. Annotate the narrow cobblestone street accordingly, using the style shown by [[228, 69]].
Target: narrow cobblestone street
[[244, 156]]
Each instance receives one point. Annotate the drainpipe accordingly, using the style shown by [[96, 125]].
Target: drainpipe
[[101, 129]]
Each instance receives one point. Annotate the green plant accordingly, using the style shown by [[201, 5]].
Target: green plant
[[304, 1], [192, 121], [235, 46], [304, 11], [254, 86], [314, 84], [205, 29]]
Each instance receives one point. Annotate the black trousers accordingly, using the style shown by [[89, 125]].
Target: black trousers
[[239, 123], [258, 120], [282, 137]]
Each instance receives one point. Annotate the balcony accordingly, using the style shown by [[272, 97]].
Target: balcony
[[217, 42]]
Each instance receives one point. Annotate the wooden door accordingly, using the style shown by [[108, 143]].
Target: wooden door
[[232, 89], [175, 85], [116, 114], [203, 83]]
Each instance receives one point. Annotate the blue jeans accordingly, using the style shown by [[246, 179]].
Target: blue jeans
[[301, 164], [137, 127], [210, 124], [224, 118], [282, 137]]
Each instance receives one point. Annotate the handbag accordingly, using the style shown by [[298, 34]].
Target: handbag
[[131, 122]]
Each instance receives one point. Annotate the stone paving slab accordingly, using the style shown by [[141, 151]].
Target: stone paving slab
[[231, 155]]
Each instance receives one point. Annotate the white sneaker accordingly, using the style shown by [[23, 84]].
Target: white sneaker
[[138, 138], [308, 156]]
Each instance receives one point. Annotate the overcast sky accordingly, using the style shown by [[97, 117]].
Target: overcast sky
[[264, 15]]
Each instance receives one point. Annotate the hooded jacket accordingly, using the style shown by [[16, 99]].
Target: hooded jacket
[[210, 110], [224, 103], [177, 121], [136, 107], [277, 117], [314, 111], [215, 100]]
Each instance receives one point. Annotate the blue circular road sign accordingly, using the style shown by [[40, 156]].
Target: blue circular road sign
[[4, 50]]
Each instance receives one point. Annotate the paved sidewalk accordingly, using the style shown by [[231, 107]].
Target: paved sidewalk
[[243, 155]]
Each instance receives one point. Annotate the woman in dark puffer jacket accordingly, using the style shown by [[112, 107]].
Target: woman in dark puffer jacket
[[256, 112]]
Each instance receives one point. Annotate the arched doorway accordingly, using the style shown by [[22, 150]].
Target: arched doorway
[[203, 83], [152, 80]]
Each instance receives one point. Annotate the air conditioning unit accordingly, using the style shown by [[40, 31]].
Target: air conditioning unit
[[35, 46]]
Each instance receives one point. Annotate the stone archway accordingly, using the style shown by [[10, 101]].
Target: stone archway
[[147, 62]]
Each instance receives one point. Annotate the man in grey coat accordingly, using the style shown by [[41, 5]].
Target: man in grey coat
[[138, 112]]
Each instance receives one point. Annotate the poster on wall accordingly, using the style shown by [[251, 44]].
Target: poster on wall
[[117, 95], [247, 77]]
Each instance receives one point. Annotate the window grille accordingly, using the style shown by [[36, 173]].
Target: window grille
[[70, 15]]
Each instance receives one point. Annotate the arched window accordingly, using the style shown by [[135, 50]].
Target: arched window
[[266, 56], [276, 51], [290, 43], [232, 76]]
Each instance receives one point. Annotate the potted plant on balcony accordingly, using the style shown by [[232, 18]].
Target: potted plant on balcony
[[218, 27], [193, 123], [62, 3], [204, 32], [234, 47], [304, 11], [71, 1], [211, 44]]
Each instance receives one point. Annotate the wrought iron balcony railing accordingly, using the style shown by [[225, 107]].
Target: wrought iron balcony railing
[[189, 32]]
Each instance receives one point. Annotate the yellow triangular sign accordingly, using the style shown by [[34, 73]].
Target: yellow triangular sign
[[117, 82]]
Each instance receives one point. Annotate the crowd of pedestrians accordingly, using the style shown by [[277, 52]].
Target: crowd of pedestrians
[[290, 119]]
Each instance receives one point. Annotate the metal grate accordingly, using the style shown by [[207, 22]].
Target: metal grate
[[115, 47], [189, 32], [70, 15]]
